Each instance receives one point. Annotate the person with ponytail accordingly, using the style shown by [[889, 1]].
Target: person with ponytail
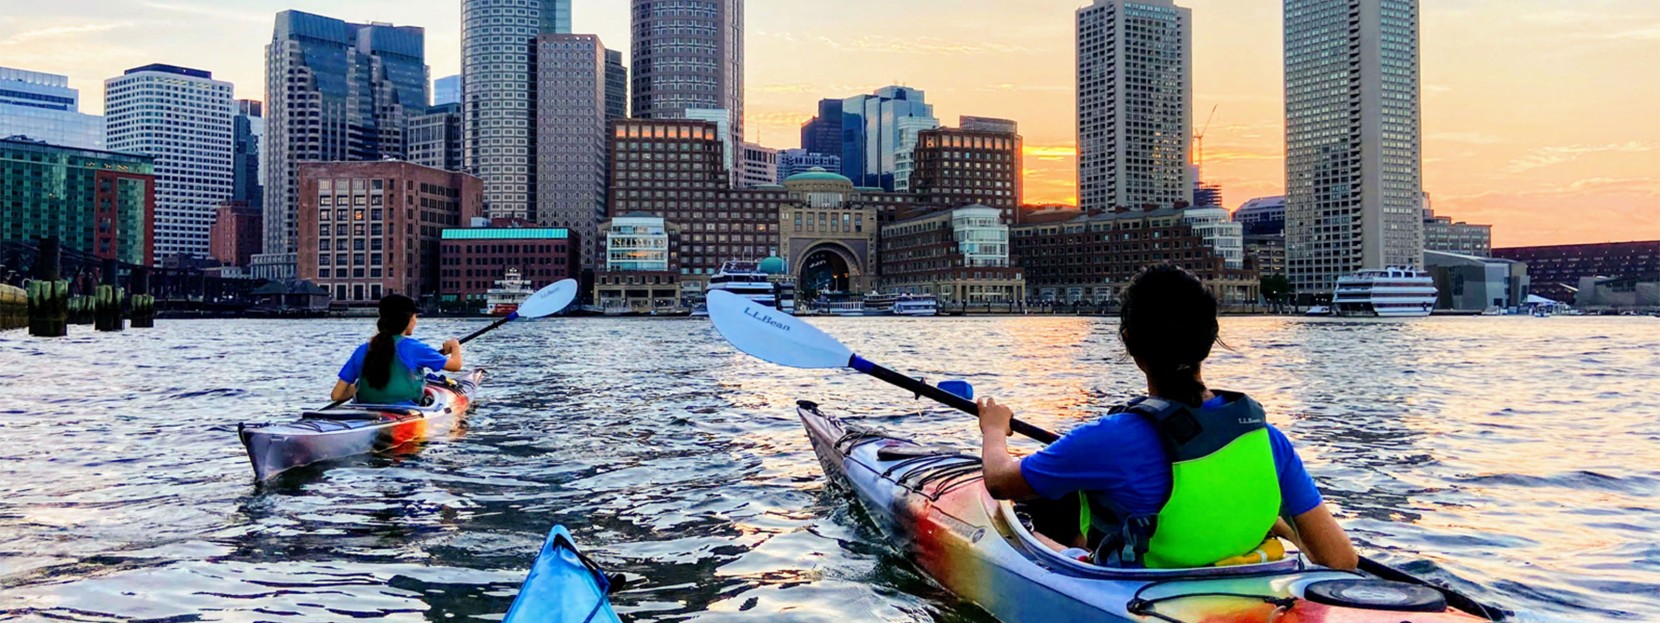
[[1187, 476], [388, 369]]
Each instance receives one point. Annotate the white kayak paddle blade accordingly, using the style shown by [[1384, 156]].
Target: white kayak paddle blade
[[550, 300], [766, 333]]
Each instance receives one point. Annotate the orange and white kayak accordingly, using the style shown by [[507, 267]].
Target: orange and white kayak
[[355, 429]]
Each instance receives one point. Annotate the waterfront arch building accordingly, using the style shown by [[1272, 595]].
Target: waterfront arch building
[[827, 234]]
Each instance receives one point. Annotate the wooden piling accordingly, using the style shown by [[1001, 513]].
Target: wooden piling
[[143, 306], [48, 296], [108, 307], [14, 307]]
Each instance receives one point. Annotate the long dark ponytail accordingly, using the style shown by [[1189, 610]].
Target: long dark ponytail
[[1168, 324], [395, 312]]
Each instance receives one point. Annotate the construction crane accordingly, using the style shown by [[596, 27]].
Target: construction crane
[[1199, 137]]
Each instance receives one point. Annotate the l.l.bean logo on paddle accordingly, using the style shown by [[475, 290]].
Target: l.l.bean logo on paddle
[[765, 318]]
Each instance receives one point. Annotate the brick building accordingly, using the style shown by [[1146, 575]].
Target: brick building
[[1557, 269], [236, 235], [1074, 257], [368, 229], [676, 169], [473, 259], [960, 256], [959, 167]]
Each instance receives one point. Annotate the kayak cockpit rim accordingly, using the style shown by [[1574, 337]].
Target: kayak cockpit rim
[[1006, 519]]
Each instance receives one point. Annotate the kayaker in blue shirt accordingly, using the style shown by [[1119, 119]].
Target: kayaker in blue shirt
[[1184, 478], [388, 369]]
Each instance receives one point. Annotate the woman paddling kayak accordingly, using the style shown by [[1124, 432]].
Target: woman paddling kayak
[[387, 370], [1185, 477]]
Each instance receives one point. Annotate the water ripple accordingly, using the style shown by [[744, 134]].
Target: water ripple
[[1511, 457]]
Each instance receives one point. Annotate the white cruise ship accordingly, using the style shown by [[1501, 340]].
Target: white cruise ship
[[745, 278], [508, 294], [916, 305], [1393, 292]]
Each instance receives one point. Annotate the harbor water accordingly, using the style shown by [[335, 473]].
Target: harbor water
[[1517, 458]]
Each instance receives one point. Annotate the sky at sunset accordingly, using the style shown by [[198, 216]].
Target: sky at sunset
[[1541, 117]]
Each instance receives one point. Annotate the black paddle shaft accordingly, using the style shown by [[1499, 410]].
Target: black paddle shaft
[[944, 397]]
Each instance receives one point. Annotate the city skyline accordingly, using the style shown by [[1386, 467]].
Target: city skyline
[[1497, 148]]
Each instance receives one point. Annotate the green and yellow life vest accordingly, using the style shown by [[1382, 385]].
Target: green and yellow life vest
[[1225, 489], [402, 386]]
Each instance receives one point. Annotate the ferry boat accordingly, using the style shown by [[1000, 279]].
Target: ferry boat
[[508, 294], [916, 305], [880, 304], [1393, 292], [745, 278]]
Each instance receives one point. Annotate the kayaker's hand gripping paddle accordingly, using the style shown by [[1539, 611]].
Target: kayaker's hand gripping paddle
[[545, 302], [771, 335]]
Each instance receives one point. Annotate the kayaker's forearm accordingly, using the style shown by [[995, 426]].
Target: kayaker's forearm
[[454, 363], [1324, 541], [1002, 472], [342, 391]]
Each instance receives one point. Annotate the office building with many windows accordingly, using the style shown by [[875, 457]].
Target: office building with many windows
[[757, 166], [184, 119], [249, 137], [960, 256], [675, 169], [97, 202], [1070, 256], [375, 228], [435, 138], [1353, 161], [571, 138], [689, 54], [793, 161], [498, 71], [956, 167], [1135, 100], [41, 106], [335, 92], [879, 134]]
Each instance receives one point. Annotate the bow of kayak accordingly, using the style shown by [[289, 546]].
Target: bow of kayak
[[564, 586], [352, 429], [933, 504]]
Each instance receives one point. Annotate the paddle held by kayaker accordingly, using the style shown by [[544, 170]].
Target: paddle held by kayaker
[[388, 369], [1185, 477]]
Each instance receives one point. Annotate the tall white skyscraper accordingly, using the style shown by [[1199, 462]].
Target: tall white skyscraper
[[1135, 102], [1353, 177], [41, 106], [498, 108], [184, 119]]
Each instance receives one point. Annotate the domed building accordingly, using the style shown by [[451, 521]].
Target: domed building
[[827, 234]]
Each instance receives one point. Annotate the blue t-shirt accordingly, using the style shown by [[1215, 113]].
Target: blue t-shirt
[[415, 355], [1120, 461]]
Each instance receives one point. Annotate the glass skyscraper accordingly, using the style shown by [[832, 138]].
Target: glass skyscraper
[[1135, 96], [336, 91], [498, 67], [42, 107], [446, 90], [1353, 163], [183, 118], [879, 133], [689, 54]]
